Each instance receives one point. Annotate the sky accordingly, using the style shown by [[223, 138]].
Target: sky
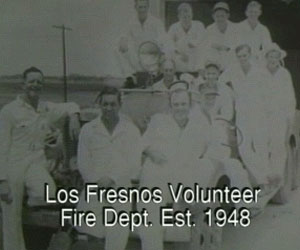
[[28, 39]]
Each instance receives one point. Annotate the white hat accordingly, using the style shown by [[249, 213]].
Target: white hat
[[179, 85], [215, 63], [275, 47], [222, 6]]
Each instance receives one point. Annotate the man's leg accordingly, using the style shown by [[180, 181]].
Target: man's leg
[[12, 214], [116, 237], [152, 238], [36, 177]]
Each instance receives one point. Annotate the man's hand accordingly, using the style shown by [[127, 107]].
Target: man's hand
[[51, 138], [5, 192], [156, 157], [123, 45], [74, 126], [106, 182]]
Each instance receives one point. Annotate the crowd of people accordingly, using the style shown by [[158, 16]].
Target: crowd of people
[[241, 87]]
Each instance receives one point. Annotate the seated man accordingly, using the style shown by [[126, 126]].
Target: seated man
[[187, 40], [26, 128], [217, 103], [109, 155], [142, 28], [221, 36], [173, 146], [168, 68]]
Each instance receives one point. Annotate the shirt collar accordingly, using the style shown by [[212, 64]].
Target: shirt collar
[[119, 129]]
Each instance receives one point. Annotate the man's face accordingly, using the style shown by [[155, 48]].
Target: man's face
[[253, 13], [273, 59], [243, 56], [168, 71], [221, 16], [33, 84], [185, 16], [180, 104], [110, 106], [142, 8], [212, 74]]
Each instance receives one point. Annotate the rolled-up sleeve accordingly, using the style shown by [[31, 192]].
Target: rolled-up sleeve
[[5, 141]]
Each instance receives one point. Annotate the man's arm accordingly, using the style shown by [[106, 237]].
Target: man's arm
[[5, 144], [60, 111]]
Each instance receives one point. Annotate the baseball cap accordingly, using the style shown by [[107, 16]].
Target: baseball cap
[[222, 6]]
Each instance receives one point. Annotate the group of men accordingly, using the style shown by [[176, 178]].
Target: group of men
[[243, 85], [188, 42]]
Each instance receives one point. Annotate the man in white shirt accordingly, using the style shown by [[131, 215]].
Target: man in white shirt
[[281, 106], [187, 40], [142, 28], [218, 104], [174, 144], [248, 88], [109, 155], [26, 127], [221, 36], [168, 68], [252, 32]]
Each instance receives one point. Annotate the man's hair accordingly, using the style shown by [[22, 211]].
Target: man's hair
[[184, 6], [243, 46], [30, 70], [254, 4], [107, 90]]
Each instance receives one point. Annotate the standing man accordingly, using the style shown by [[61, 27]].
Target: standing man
[[109, 155], [248, 88], [187, 40], [142, 28], [221, 36], [26, 126], [281, 106], [252, 32]]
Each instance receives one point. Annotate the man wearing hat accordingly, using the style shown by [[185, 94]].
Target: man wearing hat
[[252, 32], [174, 145], [281, 106], [187, 40], [221, 36]]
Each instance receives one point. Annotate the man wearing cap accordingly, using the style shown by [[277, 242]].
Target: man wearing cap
[[174, 144], [281, 106], [252, 32], [108, 155], [221, 36], [187, 40], [217, 102], [27, 126], [142, 28]]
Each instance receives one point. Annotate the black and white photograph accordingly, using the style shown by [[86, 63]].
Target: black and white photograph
[[149, 125]]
